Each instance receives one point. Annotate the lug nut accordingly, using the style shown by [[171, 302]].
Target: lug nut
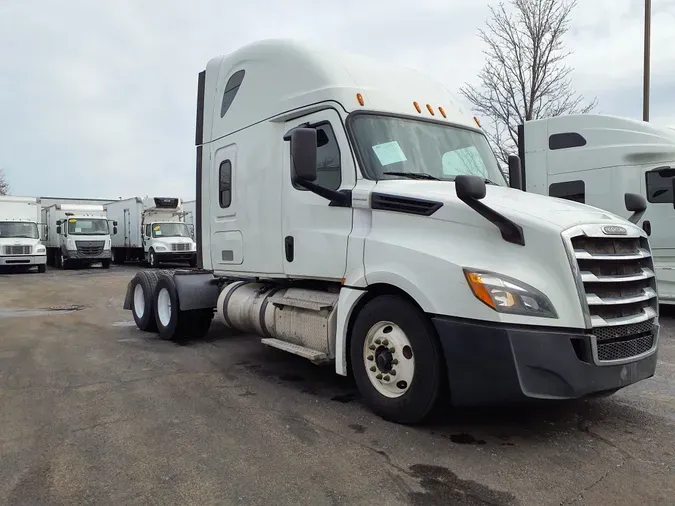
[[370, 357], [395, 361], [385, 342], [379, 376], [393, 372], [377, 341], [386, 378], [373, 369], [392, 350], [372, 347]]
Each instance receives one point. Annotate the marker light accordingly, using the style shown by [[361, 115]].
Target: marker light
[[442, 112], [430, 109], [359, 97], [477, 122], [417, 106]]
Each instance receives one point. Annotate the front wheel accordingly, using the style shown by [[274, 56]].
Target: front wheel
[[42, 268], [152, 259], [396, 359], [105, 264]]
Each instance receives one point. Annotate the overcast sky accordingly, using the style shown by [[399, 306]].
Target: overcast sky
[[97, 98]]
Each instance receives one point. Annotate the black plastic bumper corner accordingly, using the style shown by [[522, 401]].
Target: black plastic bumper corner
[[495, 364]]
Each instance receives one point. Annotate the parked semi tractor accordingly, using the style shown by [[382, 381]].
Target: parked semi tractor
[[595, 160], [153, 229], [19, 233], [352, 212], [77, 235]]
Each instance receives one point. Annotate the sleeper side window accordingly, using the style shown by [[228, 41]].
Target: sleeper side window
[[570, 190], [328, 168], [225, 184], [660, 185]]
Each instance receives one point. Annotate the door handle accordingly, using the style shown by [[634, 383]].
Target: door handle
[[288, 247]]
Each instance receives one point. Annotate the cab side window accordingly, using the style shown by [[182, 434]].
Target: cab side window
[[570, 190], [147, 230], [328, 167]]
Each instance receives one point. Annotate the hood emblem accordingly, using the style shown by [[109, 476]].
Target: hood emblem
[[614, 230]]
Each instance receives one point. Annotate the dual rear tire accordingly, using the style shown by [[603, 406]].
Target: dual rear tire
[[156, 308]]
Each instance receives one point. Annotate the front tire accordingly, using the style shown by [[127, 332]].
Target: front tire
[[42, 268], [396, 359], [172, 323], [152, 259], [105, 264], [143, 289]]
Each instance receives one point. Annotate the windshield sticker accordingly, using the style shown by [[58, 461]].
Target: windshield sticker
[[72, 220], [389, 152], [156, 228]]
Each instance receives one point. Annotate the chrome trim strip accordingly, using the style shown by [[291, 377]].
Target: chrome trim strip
[[647, 314], [581, 254], [594, 300], [589, 277]]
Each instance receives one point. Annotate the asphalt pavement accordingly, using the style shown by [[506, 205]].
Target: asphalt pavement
[[93, 411]]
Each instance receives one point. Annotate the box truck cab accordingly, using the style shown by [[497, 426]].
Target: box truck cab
[[595, 160], [153, 229], [352, 212], [77, 235], [19, 233]]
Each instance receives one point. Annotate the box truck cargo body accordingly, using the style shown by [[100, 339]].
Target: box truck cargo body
[[352, 212], [151, 229], [19, 233], [77, 235]]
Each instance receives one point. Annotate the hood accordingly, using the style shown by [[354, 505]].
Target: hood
[[18, 241], [517, 205]]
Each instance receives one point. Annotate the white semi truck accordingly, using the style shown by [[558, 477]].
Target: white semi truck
[[19, 233], [352, 212], [77, 235], [595, 160], [153, 230]]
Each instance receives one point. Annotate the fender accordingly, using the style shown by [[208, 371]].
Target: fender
[[196, 289]]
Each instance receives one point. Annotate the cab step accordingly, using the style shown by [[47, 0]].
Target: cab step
[[314, 356]]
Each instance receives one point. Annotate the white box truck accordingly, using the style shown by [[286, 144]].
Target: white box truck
[[152, 229], [77, 235], [19, 233], [352, 212], [596, 159], [189, 207]]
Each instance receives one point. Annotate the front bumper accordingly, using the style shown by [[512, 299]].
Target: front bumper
[[175, 256], [77, 255], [23, 260], [495, 364]]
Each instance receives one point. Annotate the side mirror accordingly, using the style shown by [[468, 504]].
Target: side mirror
[[470, 187], [674, 192], [115, 229], [58, 222], [114, 223], [58, 229], [303, 155], [515, 173], [636, 204]]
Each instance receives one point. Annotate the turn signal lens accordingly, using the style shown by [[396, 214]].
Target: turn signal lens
[[359, 97], [417, 106], [442, 112], [430, 109]]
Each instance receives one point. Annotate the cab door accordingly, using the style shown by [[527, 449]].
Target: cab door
[[315, 234]]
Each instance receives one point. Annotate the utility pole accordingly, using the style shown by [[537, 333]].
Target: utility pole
[[647, 69]]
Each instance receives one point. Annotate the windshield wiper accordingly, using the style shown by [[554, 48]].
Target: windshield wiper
[[413, 175]]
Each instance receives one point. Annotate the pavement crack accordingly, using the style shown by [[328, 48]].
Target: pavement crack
[[580, 495]]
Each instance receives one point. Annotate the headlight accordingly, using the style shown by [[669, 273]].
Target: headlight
[[160, 247], [507, 295], [40, 249]]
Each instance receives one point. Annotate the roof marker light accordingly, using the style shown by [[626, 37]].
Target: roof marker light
[[431, 111], [477, 122], [417, 106], [359, 97], [442, 111]]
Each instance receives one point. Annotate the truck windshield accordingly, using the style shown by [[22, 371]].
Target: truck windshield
[[87, 226], [394, 147], [170, 230], [16, 229]]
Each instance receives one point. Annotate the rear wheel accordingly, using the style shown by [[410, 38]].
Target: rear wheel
[[396, 359], [117, 256], [172, 323], [143, 289]]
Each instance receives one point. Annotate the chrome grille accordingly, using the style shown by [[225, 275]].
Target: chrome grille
[[616, 275], [89, 248], [181, 246], [17, 250]]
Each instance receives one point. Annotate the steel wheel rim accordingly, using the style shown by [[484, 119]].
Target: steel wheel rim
[[389, 359], [139, 301], [164, 307]]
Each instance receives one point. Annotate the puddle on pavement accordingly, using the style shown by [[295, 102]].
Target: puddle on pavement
[[23, 313]]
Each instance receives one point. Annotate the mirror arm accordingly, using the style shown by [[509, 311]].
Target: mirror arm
[[511, 232], [341, 198], [636, 216]]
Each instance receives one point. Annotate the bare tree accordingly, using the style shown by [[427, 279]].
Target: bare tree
[[4, 185], [525, 76]]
